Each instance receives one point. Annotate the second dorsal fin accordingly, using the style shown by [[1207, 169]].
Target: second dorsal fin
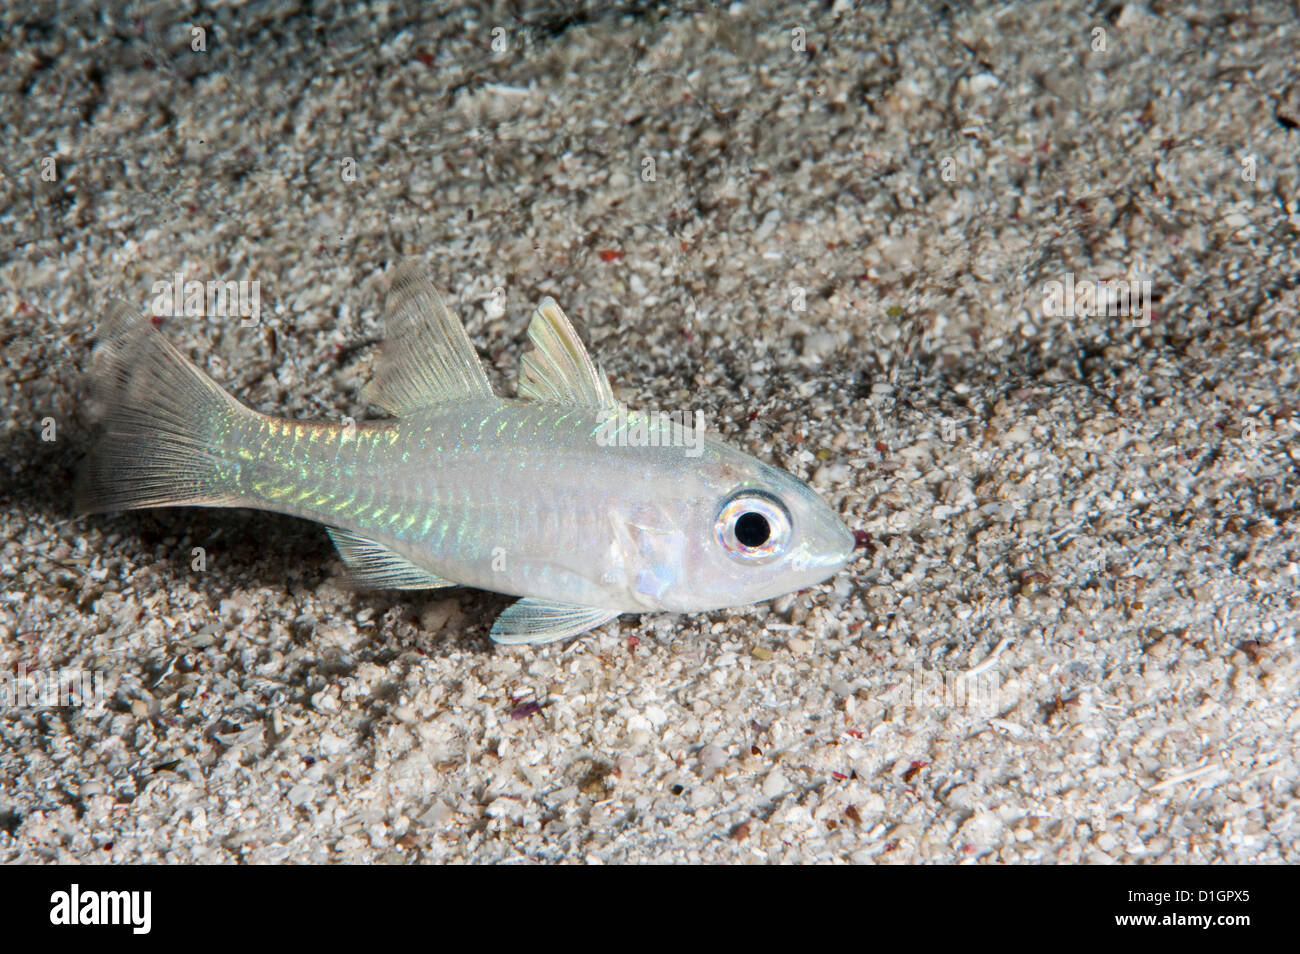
[[427, 358], [558, 370]]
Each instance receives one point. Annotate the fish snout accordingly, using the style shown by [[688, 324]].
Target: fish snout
[[841, 545], [828, 546]]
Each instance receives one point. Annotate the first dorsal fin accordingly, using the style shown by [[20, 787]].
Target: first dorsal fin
[[558, 370], [427, 358]]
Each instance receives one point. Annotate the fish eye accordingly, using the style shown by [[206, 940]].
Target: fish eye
[[753, 527]]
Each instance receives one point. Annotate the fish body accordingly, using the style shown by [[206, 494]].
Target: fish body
[[541, 497]]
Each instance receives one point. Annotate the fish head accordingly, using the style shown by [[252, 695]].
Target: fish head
[[750, 532]]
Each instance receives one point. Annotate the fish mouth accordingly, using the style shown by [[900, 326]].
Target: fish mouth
[[840, 554], [825, 561]]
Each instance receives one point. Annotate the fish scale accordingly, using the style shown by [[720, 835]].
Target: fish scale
[[381, 468]]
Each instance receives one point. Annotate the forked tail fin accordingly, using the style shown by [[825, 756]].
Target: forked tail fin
[[164, 424]]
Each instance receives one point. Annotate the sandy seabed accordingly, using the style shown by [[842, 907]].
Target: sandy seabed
[[1070, 633]]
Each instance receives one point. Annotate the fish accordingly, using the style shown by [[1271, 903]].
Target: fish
[[560, 496]]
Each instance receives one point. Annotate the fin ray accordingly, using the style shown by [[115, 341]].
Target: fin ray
[[427, 358], [537, 622], [372, 564], [558, 370], [160, 423]]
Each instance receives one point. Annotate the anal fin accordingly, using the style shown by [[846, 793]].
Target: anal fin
[[374, 565], [540, 621]]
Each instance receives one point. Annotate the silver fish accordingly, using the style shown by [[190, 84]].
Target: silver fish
[[543, 497]]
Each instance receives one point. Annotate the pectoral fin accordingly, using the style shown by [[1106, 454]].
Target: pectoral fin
[[374, 565], [538, 621]]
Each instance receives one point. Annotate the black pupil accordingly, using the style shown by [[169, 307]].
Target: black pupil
[[752, 529]]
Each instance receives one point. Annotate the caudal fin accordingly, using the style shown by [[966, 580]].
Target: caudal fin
[[161, 425]]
